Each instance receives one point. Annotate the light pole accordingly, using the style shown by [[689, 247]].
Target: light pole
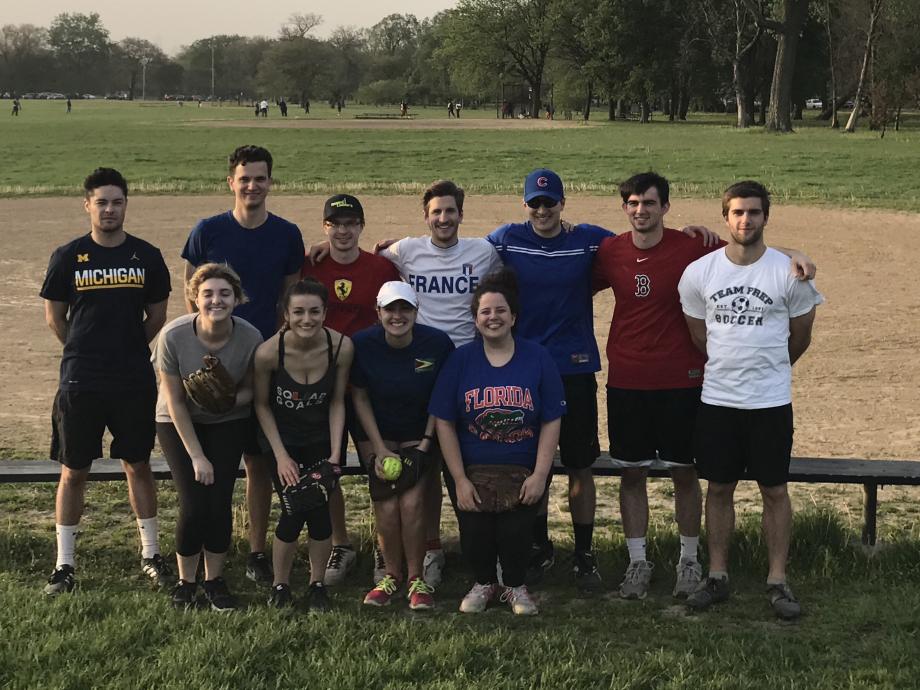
[[212, 70], [144, 62]]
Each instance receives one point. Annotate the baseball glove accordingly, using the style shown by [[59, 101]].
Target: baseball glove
[[312, 489], [211, 387], [414, 464], [498, 486]]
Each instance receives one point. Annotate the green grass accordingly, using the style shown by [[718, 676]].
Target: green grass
[[162, 148], [861, 628]]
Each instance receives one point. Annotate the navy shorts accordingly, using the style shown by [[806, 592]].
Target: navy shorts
[[733, 444], [578, 444], [80, 418], [652, 428]]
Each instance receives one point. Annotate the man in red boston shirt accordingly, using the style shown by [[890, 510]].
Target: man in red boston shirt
[[353, 278], [655, 373]]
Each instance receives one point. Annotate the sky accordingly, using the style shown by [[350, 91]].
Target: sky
[[172, 24]]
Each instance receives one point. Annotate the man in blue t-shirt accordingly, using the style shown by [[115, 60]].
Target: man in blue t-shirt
[[267, 253], [553, 262]]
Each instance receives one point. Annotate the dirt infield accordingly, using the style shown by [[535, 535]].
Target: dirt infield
[[856, 390]]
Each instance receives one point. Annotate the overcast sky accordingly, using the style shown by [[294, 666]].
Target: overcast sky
[[174, 23]]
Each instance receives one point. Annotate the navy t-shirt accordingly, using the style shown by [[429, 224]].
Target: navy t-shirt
[[554, 276], [107, 289], [261, 256], [399, 381], [498, 411]]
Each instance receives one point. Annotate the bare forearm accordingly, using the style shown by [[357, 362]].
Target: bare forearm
[[798, 346], [450, 448], [546, 446]]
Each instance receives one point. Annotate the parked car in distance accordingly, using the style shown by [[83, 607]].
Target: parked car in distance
[[814, 104]]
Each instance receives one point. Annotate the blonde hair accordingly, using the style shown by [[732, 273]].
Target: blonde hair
[[213, 270]]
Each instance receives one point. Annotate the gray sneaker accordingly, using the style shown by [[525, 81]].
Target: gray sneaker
[[712, 591], [783, 601], [689, 577], [636, 581]]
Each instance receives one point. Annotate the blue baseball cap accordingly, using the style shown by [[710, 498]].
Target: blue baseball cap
[[543, 182]]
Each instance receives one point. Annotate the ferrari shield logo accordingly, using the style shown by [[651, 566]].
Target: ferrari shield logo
[[342, 288]]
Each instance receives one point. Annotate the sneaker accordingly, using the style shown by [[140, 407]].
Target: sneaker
[[783, 601], [218, 596], [478, 598], [341, 560], [183, 595], [520, 601], [636, 581], [281, 597], [383, 592], [380, 565], [158, 570], [542, 558], [433, 567], [62, 581], [689, 577], [420, 592], [587, 578], [712, 591], [318, 598], [259, 568]]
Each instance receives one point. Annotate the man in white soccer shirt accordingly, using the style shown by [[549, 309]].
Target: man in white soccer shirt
[[753, 320]]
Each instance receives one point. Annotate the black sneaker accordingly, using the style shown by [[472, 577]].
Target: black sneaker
[[281, 597], [542, 558], [713, 591], [318, 598], [783, 601], [183, 595], [62, 581], [259, 568], [218, 596], [587, 578], [158, 570]]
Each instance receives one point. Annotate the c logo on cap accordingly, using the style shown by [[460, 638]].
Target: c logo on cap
[[542, 182]]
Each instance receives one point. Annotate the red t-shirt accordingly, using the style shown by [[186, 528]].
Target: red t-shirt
[[649, 346], [352, 289]]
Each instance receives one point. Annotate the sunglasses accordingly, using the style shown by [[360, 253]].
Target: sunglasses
[[542, 201]]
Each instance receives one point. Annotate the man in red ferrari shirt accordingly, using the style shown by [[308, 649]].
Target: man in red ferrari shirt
[[353, 278]]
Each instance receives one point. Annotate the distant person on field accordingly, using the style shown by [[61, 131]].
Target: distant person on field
[[451, 112], [458, 108], [753, 320], [17, 106], [282, 107], [306, 106], [105, 298], [69, 106], [267, 252], [403, 109]]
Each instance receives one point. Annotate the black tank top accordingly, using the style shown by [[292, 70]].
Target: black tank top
[[301, 410]]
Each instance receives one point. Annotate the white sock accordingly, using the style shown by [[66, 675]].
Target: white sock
[[149, 530], [636, 548], [689, 547], [66, 543]]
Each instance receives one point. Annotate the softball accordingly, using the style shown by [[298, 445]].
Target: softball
[[392, 468]]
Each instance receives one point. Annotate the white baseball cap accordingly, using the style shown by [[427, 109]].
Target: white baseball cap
[[395, 290]]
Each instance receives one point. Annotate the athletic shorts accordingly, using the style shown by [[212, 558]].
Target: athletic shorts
[[251, 444], [733, 444], [578, 444], [317, 520], [80, 418], [352, 427], [651, 428]]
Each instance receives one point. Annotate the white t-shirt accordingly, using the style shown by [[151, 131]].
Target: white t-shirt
[[747, 311], [444, 280]]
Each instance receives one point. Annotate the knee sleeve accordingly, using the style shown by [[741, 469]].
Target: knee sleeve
[[290, 526]]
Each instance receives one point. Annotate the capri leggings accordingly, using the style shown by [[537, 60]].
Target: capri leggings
[[205, 512], [317, 520]]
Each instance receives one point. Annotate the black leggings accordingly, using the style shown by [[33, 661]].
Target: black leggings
[[205, 517], [317, 520]]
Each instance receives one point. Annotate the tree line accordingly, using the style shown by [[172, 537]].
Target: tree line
[[763, 60]]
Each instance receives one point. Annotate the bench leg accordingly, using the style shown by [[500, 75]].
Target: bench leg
[[870, 506]]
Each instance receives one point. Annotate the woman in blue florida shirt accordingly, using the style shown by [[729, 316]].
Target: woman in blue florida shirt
[[498, 405]]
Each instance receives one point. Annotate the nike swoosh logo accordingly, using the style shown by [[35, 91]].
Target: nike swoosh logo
[[639, 261]]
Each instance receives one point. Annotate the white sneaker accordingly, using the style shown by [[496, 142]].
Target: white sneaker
[[689, 577], [520, 601], [478, 598], [341, 560], [433, 567], [380, 566]]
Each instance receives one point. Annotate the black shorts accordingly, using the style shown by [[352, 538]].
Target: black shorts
[[578, 443], [317, 520], [251, 444], [80, 418], [651, 428], [732, 444], [352, 427]]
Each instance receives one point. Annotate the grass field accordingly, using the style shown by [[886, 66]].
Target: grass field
[[163, 148]]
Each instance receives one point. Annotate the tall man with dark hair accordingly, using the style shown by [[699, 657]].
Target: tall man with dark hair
[[753, 321], [105, 299], [267, 252]]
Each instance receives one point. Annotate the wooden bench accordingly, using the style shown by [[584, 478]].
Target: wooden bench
[[872, 474], [383, 116]]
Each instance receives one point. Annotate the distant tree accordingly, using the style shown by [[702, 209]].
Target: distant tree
[[25, 57], [348, 63], [875, 13], [393, 34], [81, 46], [294, 67], [299, 25], [129, 54]]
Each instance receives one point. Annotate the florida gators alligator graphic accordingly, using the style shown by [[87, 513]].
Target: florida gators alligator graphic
[[504, 426]]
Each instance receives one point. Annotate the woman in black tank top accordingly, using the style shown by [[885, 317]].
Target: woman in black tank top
[[300, 378]]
